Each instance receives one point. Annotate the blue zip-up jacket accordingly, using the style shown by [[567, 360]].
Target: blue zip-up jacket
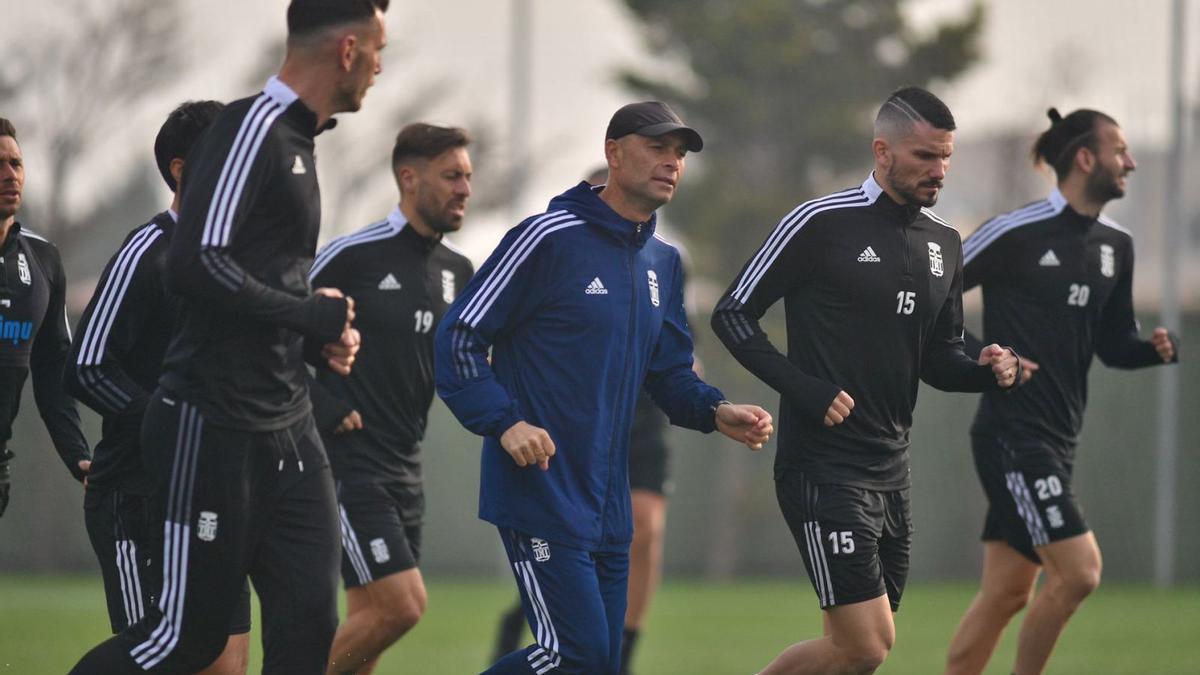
[[580, 307]]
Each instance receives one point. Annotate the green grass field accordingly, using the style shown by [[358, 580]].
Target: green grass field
[[695, 628]]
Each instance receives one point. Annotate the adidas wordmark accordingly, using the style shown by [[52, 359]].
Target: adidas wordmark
[[868, 255], [596, 288]]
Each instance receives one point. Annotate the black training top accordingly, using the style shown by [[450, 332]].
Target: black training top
[[240, 256], [1058, 287], [116, 362], [872, 299], [34, 336], [402, 284]]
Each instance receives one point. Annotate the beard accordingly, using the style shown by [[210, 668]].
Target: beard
[[1104, 185], [348, 99], [436, 218], [908, 191]]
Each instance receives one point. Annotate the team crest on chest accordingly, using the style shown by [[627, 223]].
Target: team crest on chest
[[447, 286], [23, 270], [935, 260], [1108, 260], [206, 526], [652, 281], [541, 549]]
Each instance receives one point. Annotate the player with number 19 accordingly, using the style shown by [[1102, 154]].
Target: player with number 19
[[402, 274]]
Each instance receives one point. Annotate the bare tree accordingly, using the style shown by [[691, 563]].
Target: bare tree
[[76, 88]]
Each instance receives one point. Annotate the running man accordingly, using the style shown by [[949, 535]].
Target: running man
[[403, 275], [1057, 280], [579, 307], [114, 367], [248, 489], [34, 335], [649, 487], [872, 285]]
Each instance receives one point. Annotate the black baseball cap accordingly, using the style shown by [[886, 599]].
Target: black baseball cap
[[651, 118]]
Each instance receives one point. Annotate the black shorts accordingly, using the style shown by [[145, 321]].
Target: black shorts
[[381, 529], [648, 465], [127, 534], [648, 448], [855, 542], [1028, 487]]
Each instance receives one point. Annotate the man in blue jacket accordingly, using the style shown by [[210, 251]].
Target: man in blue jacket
[[581, 307]]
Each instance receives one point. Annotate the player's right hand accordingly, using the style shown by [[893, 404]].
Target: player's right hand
[[352, 422], [528, 445], [337, 293], [839, 410], [1004, 363]]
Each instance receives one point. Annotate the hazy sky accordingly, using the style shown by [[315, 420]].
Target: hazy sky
[[1108, 54]]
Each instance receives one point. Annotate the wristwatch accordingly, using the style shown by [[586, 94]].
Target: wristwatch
[[718, 404]]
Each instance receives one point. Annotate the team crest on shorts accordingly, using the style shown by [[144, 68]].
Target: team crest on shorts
[[652, 280], [1108, 260], [935, 260], [380, 551], [206, 526], [541, 549]]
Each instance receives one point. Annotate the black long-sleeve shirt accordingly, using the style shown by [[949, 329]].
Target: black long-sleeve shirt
[[34, 336], [240, 256], [1058, 287], [402, 284], [117, 359], [873, 301]]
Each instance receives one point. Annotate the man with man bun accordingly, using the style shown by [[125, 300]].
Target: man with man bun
[[1057, 279]]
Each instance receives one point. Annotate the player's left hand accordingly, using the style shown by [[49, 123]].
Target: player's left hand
[[340, 355], [1161, 340], [1003, 362], [85, 465], [352, 422], [747, 424]]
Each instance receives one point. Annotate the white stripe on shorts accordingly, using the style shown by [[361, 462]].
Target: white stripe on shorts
[[353, 550]]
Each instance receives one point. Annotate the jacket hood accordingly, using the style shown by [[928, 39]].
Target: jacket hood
[[584, 201]]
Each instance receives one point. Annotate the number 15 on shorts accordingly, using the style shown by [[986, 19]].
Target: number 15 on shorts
[[840, 542]]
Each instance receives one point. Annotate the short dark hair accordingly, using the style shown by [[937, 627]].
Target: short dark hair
[[308, 16], [911, 104], [180, 132], [7, 128], [427, 141], [1058, 144]]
